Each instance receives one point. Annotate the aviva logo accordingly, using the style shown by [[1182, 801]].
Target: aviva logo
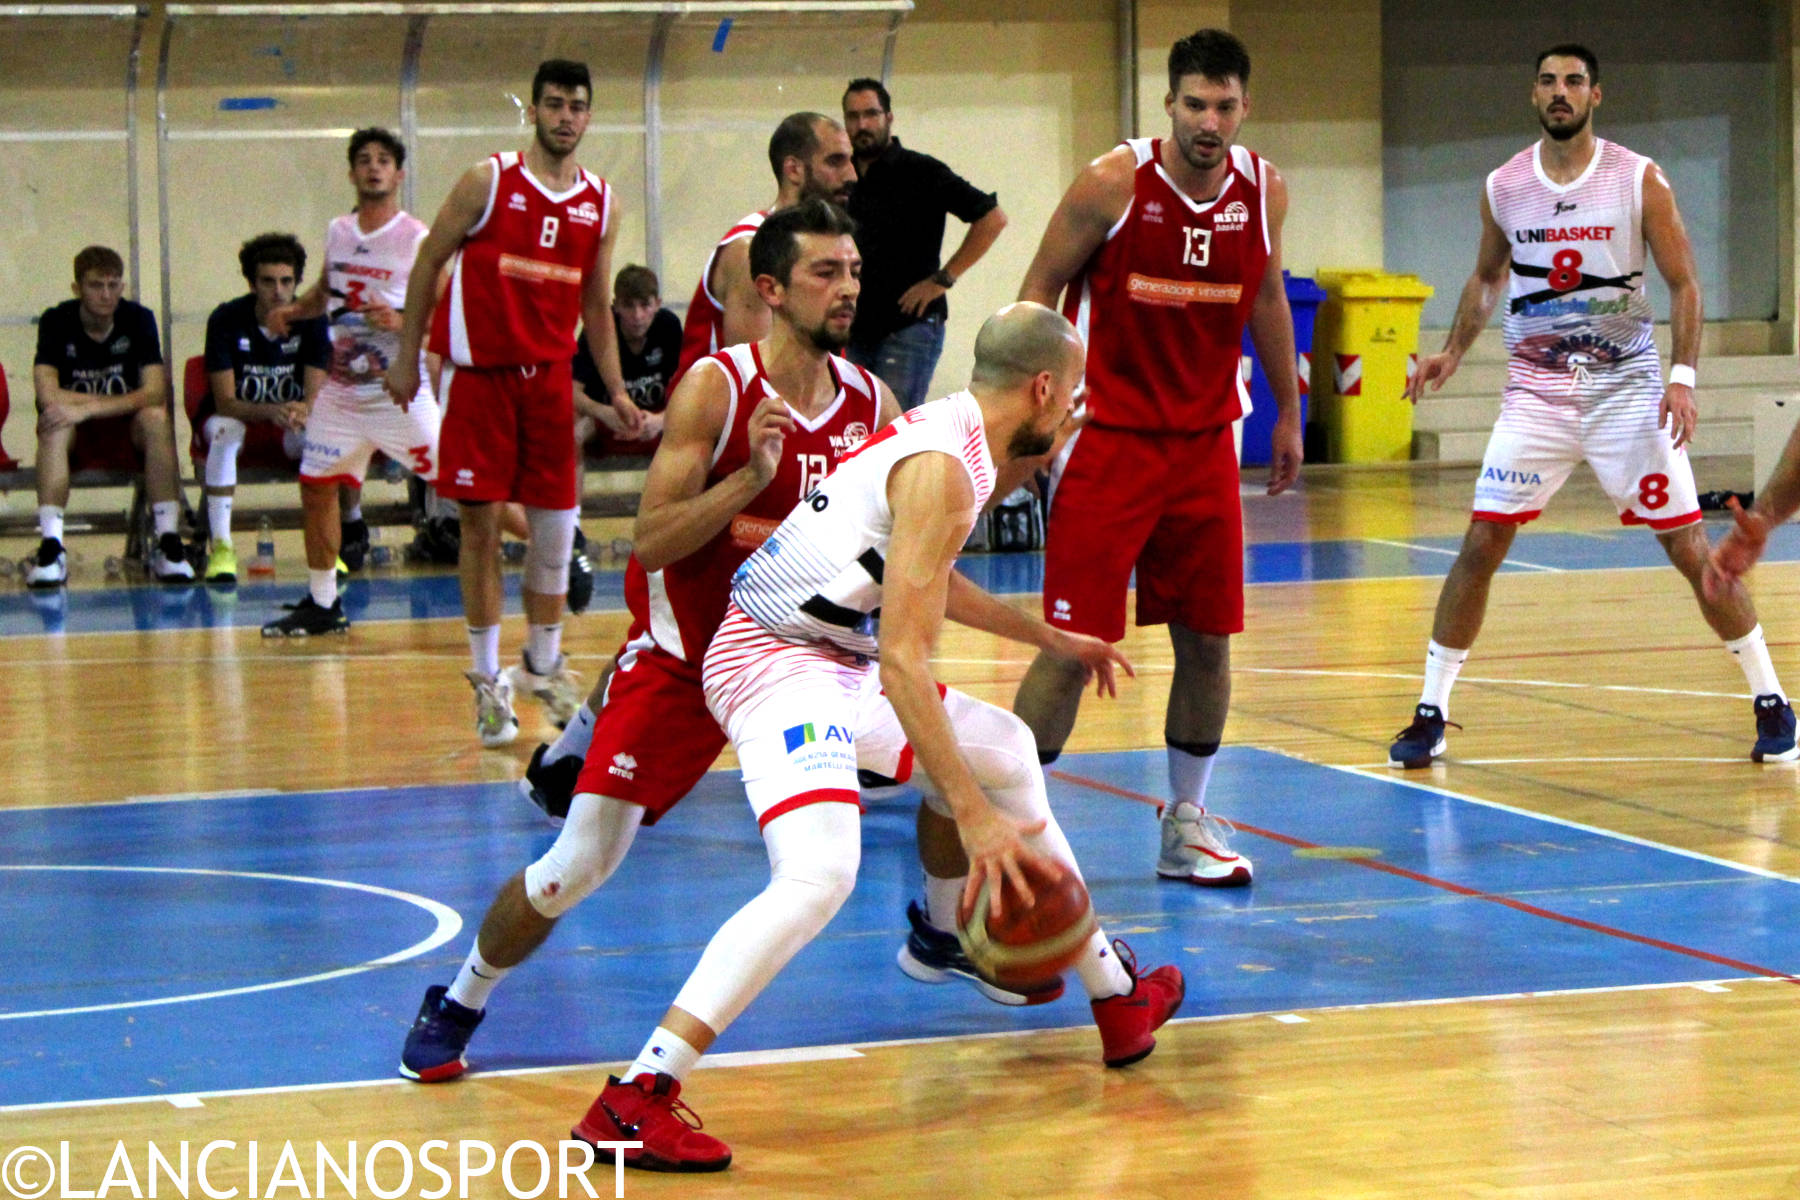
[[805, 735], [1507, 475]]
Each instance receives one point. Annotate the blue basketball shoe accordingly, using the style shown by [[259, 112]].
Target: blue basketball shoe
[[932, 956], [1423, 740], [1774, 730], [438, 1037]]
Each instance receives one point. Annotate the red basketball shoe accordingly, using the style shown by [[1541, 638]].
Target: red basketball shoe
[[1128, 1022], [649, 1110]]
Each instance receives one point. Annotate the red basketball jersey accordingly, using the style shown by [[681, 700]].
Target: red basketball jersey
[[682, 604], [702, 333], [515, 284], [1163, 302]]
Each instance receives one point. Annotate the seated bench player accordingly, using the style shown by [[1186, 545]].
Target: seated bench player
[[103, 404], [260, 385]]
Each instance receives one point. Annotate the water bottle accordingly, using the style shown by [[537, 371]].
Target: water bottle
[[379, 554], [264, 562]]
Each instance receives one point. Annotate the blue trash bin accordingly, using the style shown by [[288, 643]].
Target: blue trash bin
[[1304, 297]]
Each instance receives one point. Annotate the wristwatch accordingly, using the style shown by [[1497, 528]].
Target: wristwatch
[[943, 279]]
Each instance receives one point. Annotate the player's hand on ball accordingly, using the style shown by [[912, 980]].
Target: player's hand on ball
[[1102, 659], [1736, 552], [996, 852], [769, 426], [1435, 369]]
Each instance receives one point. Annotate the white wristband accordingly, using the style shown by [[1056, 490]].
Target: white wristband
[[1683, 374]]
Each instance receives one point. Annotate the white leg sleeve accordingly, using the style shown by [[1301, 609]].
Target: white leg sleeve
[[547, 554], [813, 856], [592, 844], [224, 439], [1002, 753]]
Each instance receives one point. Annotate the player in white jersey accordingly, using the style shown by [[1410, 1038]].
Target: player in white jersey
[[368, 260], [1568, 220], [791, 677]]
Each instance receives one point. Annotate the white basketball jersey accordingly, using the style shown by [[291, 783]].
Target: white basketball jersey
[[818, 577], [1577, 297], [360, 269]]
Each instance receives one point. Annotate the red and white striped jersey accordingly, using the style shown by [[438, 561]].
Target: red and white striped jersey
[[362, 269], [817, 579], [682, 604], [1577, 297], [703, 330], [515, 284], [1163, 302]]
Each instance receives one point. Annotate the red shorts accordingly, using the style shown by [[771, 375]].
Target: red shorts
[[104, 444], [508, 434], [1164, 503], [653, 738]]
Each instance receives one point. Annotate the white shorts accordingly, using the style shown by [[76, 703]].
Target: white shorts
[[345, 429], [1609, 422], [802, 719]]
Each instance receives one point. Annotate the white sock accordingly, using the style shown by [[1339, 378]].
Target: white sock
[[477, 979], [1442, 665], [1188, 777], [323, 585], [164, 514], [942, 899], [484, 650], [349, 514], [1752, 654], [50, 522], [575, 738], [664, 1054], [543, 646], [1102, 974], [218, 518]]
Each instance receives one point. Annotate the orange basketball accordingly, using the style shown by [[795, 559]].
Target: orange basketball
[[1026, 948]]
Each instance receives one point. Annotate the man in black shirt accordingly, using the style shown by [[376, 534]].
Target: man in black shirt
[[649, 346], [900, 202], [103, 403], [260, 387]]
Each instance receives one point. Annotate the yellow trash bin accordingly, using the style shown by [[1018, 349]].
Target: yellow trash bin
[[1367, 339]]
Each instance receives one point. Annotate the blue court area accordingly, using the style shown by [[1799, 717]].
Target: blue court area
[[1368, 891], [397, 596]]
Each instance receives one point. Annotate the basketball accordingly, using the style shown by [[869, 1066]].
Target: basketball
[[1026, 948]]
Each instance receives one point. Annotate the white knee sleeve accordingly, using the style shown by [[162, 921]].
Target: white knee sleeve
[[813, 853], [1002, 753], [224, 438], [547, 554], [589, 849]]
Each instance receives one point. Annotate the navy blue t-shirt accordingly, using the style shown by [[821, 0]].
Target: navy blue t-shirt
[[112, 366], [264, 369], [646, 375]]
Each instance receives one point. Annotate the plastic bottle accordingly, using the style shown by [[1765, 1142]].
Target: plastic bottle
[[264, 562], [379, 555]]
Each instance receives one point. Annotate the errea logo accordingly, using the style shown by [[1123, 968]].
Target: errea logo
[[1061, 611], [623, 765], [1232, 217], [465, 477], [1153, 212], [516, 201]]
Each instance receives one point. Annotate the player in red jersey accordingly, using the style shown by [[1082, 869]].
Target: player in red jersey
[[1166, 248], [749, 433], [529, 239], [810, 155]]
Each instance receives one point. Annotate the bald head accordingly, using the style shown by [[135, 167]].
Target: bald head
[[1022, 340]]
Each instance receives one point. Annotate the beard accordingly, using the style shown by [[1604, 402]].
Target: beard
[[544, 137], [823, 337], [1563, 133], [1027, 442]]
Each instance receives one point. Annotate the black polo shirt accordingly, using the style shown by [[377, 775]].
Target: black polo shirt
[[112, 366], [646, 375], [900, 204], [265, 369]]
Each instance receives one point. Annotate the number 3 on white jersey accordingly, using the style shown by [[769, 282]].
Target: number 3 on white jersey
[[813, 469]]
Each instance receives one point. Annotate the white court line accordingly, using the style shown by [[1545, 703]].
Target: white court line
[[850, 1050], [1517, 562], [449, 924]]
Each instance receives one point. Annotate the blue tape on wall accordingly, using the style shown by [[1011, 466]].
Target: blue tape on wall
[[247, 103], [719, 37]]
